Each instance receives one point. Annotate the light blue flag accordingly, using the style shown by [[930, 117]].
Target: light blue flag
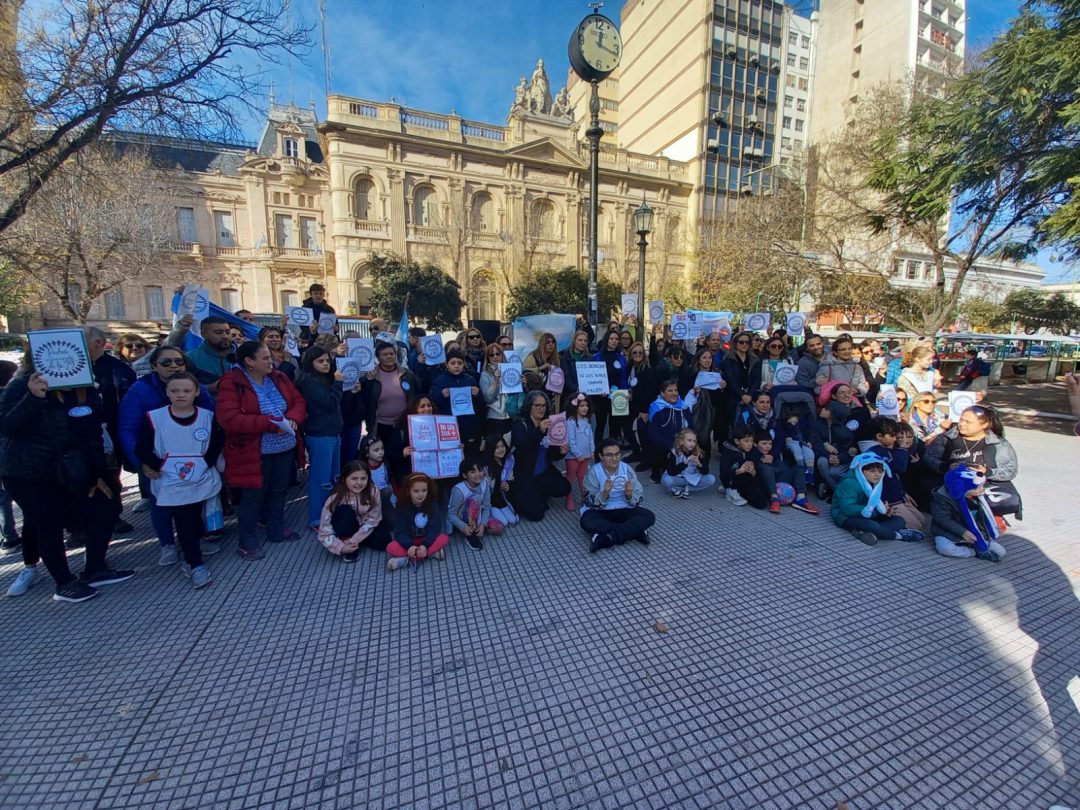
[[250, 330], [527, 331]]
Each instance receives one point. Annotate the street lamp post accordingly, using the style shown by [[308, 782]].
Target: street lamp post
[[593, 133], [643, 222]]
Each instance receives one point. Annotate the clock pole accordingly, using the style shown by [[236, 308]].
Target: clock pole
[[593, 133]]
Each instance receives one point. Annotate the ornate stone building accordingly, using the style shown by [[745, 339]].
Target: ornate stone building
[[490, 204]]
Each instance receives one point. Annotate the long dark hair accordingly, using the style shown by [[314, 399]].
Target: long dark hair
[[307, 365], [494, 466], [341, 489]]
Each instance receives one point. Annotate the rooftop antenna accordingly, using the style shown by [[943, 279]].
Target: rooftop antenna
[[328, 68], [596, 5]]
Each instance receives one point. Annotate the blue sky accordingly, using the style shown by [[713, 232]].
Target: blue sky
[[467, 55]]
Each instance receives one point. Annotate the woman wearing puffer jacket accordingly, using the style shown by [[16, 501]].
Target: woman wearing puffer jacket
[[260, 409]]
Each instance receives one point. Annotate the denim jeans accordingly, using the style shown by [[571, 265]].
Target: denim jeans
[[276, 471], [324, 463], [884, 528], [350, 443]]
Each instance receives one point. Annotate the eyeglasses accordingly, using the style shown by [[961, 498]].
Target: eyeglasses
[[506, 344], [549, 340], [167, 362], [742, 342], [612, 454], [132, 345], [539, 405], [474, 337]]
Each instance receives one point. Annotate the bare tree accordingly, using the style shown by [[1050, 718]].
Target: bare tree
[[76, 68], [752, 256], [103, 218]]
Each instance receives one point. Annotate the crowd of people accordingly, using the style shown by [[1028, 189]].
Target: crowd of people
[[228, 427]]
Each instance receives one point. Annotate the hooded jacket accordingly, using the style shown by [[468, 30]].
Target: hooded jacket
[[855, 497], [954, 513]]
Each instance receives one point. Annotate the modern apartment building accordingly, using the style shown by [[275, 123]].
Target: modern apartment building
[[704, 82], [867, 42], [800, 53]]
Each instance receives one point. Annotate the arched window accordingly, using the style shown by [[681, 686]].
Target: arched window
[[425, 207], [484, 297], [543, 220], [483, 213], [364, 199]]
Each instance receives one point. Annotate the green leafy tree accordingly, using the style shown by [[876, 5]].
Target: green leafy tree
[[1024, 109], [984, 315], [434, 297], [1034, 310], [563, 291]]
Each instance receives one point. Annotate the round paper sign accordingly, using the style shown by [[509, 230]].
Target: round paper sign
[[755, 322], [511, 377], [350, 375], [796, 323], [784, 374], [300, 316], [678, 330], [363, 355], [59, 359], [656, 312]]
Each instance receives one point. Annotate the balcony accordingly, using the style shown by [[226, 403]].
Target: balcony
[[367, 227], [420, 233], [277, 252]]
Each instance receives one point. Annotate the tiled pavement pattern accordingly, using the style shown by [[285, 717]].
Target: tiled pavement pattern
[[799, 669]]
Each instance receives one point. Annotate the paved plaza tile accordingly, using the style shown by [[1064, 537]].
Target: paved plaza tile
[[799, 668]]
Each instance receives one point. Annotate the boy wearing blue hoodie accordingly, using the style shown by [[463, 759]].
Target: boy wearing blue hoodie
[[885, 446], [667, 416], [456, 376], [964, 526], [858, 506]]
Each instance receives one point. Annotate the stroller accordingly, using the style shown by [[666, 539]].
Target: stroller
[[794, 399]]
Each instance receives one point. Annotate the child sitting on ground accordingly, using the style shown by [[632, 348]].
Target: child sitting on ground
[[857, 504], [964, 526], [884, 446], [418, 524], [772, 469], [470, 505], [793, 434], [686, 472], [499, 462], [352, 515], [834, 447], [580, 444], [738, 474]]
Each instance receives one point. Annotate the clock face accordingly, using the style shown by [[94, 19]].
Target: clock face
[[598, 42]]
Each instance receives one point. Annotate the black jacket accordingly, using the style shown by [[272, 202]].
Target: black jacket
[[323, 406], [731, 459], [317, 309], [526, 438], [737, 375], [35, 432], [114, 377]]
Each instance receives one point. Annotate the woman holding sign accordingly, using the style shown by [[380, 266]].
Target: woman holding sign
[[535, 476], [738, 371], [611, 354], [762, 376], [260, 411], [52, 459], [978, 441], [498, 415], [578, 352], [538, 362]]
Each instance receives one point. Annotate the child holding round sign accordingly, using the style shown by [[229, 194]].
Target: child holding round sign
[[178, 447]]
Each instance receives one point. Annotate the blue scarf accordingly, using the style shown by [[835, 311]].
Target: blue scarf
[[873, 493], [958, 482]]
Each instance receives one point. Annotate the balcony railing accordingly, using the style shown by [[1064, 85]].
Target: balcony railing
[[427, 234], [293, 252], [371, 227]]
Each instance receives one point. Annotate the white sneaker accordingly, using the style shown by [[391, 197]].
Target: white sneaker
[[168, 556], [734, 496], [22, 583], [394, 563], [141, 505]]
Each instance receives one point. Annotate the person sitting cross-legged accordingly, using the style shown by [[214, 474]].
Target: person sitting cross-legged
[[612, 513]]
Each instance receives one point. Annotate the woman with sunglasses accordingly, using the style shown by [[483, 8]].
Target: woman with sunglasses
[[738, 369], [473, 349], [498, 403], [131, 348], [148, 394], [538, 362], [775, 355], [978, 441]]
